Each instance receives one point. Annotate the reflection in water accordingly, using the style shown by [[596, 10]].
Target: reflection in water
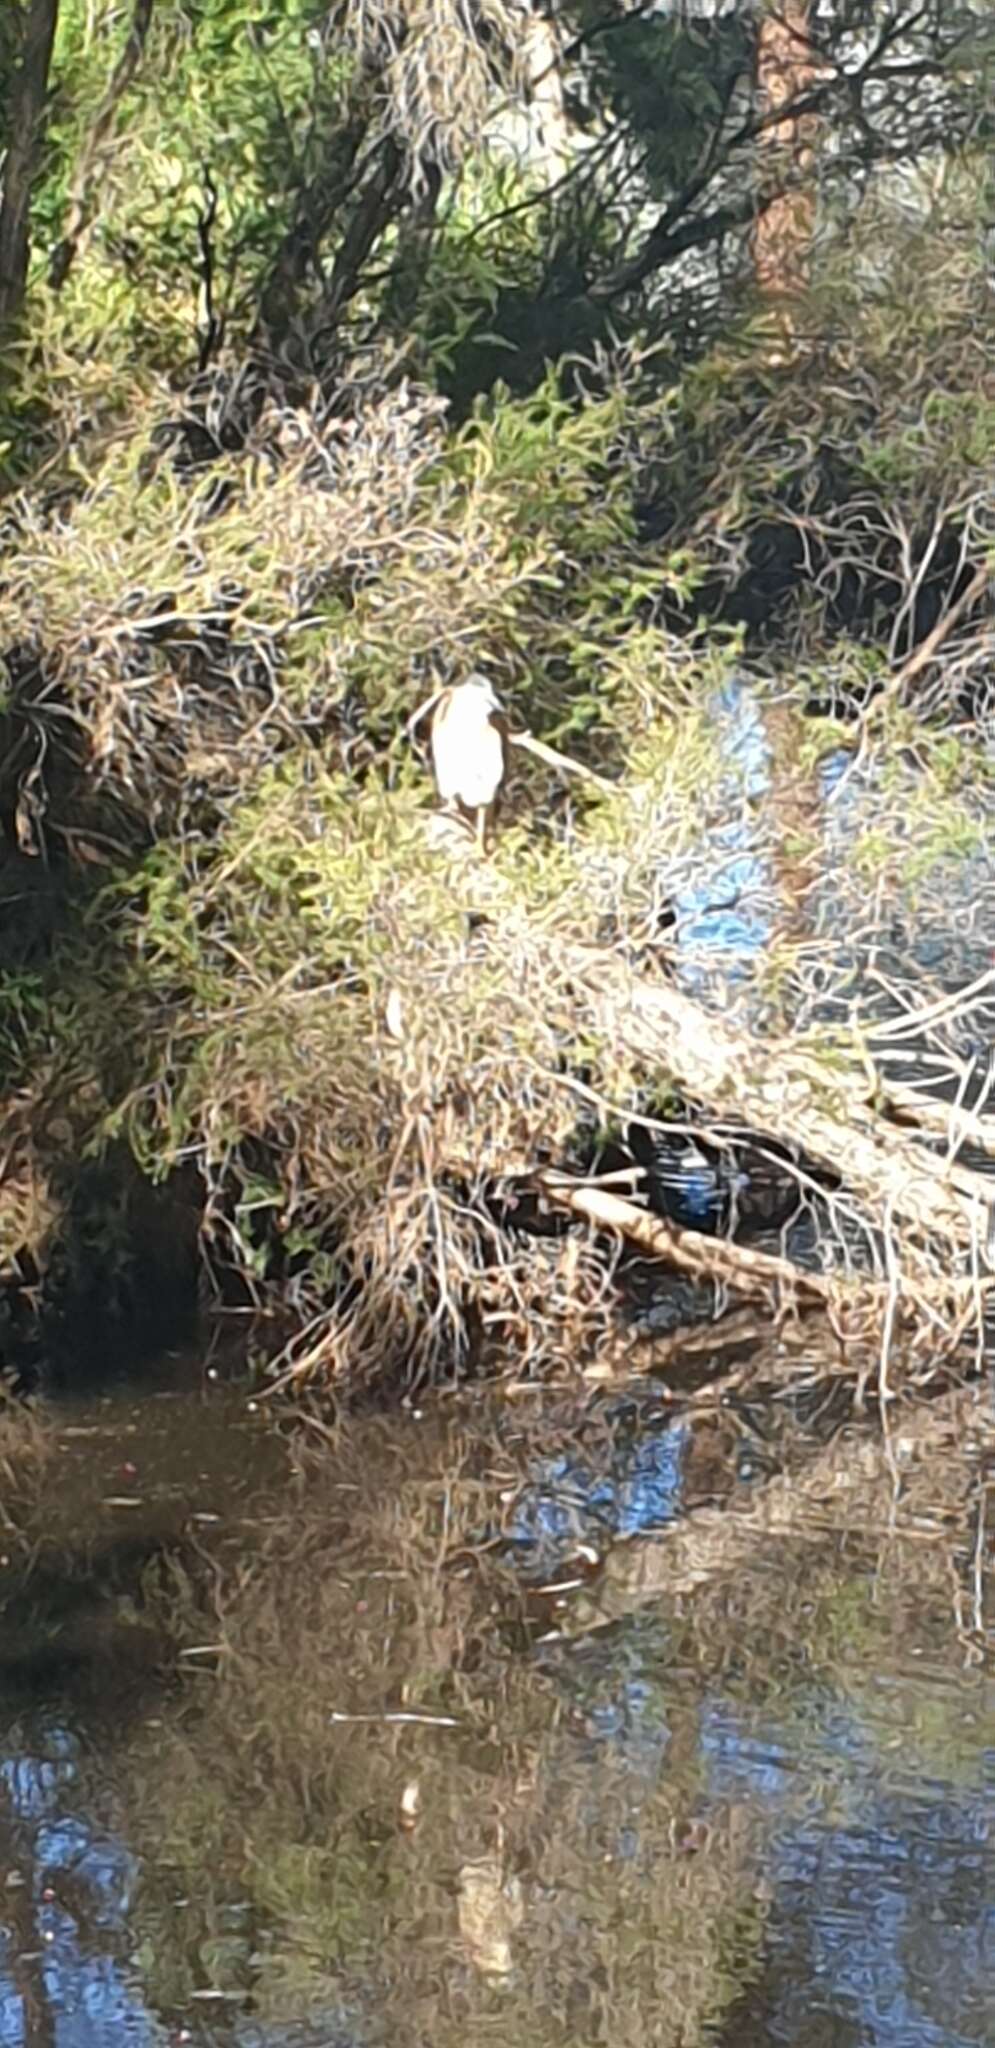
[[571, 1499], [881, 1921], [746, 1812], [61, 1985]]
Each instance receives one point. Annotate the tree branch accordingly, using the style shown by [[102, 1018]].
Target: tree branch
[[316, 207], [663, 244], [373, 210], [929, 647], [82, 189], [674, 234], [212, 326]]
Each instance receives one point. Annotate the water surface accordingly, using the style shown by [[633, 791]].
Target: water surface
[[572, 1719]]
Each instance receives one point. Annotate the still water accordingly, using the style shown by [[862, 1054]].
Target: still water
[[581, 1717]]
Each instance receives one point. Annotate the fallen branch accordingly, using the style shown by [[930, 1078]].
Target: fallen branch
[[947, 1120], [818, 1104], [735, 1265]]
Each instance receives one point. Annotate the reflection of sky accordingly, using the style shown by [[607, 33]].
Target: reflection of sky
[[69, 1990], [569, 1500], [86, 2001], [632, 1715], [880, 1923]]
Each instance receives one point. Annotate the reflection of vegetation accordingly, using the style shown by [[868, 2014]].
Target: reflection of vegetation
[[26, 1447], [575, 1782], [799, 1603], [283, 1831]]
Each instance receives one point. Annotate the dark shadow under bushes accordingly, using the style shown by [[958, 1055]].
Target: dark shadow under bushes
[[117, 1281]]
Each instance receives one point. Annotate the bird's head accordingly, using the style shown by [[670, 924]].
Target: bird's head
[[482, 684]]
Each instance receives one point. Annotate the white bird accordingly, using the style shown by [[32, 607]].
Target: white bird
[[468, 739]]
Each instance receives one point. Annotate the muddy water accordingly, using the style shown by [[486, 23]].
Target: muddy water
[[571, 1718]]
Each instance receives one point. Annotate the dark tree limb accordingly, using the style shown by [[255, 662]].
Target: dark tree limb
[[678, 230], [27, 106], [374, 208], [414, 250], [316, 208], [81, 194], [211, 325], [663, 244]]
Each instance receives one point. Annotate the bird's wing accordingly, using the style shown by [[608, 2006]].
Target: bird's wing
[[502, 726], [427, 705]]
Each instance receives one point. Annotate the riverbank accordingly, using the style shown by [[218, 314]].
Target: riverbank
[[391, 1223]]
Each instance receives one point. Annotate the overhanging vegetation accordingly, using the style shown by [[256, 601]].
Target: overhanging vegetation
[[314, 398]]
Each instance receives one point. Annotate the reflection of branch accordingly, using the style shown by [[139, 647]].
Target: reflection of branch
[[26, 107], [846, 1486], [82, 189]]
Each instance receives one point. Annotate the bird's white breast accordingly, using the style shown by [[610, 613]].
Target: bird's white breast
[[467, 750]]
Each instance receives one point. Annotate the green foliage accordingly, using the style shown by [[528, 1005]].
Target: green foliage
[[228, 585], [231, 86], [231, 94], [664, 84], [277, 892], [857, 442], [492, 237]]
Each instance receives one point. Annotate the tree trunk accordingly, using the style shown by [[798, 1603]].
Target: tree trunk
[[782, 236], [820, 1103], [27, 106]]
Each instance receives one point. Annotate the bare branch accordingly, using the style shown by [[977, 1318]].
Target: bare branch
[[929, 647]]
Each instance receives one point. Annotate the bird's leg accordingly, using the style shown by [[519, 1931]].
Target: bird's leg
[[481, 821]]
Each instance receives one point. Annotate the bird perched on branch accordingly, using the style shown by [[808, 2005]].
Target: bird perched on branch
[[468, 737]]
